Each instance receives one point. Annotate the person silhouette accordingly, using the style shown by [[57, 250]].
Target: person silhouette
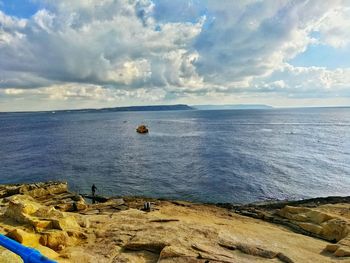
[[93, 191]]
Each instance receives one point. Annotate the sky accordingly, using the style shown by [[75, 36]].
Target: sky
[[71, 54]]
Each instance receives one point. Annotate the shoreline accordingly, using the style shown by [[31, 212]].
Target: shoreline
[[268, 203], [63, 226]]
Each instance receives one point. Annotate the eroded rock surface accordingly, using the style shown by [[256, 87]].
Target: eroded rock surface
[[41, 216]]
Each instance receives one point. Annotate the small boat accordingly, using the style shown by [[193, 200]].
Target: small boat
[[142, 129]]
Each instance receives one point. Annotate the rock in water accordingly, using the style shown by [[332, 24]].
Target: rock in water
[[142, 129]]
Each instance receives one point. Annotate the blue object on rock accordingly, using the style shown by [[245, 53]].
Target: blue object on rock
[[29, 255]]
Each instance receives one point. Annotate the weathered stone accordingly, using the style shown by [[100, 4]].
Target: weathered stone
[[175, 252], [342, 252], [316, 222], [20, 207], [6, 256], [153, 246], [311, 227], [43, 189], [65, 223], [78, 235], [195, 233], [292, 210], [24, 237], [40, 224], [84, 222], [335, 229], [284, 258], [318, 217], [54, 239]]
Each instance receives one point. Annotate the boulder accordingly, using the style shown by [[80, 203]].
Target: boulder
[[334, 229], [57, 240], [20, 207], [23, 237], [43, 189], [142, 129], [322, 224], [332, 248], [342, 252], [40, 225], [65, 223]]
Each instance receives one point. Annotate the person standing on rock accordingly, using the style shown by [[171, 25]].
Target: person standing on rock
[[93, 190]]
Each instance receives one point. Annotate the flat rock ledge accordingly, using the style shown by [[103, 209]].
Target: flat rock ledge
[[65, 228]]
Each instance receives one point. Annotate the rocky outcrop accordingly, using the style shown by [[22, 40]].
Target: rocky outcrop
[[44, 228], [35, 190], [119, 230], [314, 218], [324, 225], [142, 129]]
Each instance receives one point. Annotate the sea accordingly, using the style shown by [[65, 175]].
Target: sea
[[214, 156]]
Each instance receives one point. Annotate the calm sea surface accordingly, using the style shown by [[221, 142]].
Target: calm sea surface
[[209, 156]]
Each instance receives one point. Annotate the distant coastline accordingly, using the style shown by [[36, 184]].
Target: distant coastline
[[174, 107], [233, 107], [117, 109]]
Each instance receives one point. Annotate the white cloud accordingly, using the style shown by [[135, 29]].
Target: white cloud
[[334, 27], [110, 42], [306, 82], [254, 38], [114, 51]]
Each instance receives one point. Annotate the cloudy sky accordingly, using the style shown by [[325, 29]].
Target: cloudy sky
[[102, 53]]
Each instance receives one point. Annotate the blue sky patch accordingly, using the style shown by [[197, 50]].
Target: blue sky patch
[[19, 8], [322, 56]]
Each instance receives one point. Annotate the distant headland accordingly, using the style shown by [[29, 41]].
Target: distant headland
[[142, 108], [233, 107], [117, 109]]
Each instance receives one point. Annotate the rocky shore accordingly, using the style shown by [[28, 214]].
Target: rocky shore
[[65, 228]]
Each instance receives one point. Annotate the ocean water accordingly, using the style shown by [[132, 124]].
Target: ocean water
[[236, 156]]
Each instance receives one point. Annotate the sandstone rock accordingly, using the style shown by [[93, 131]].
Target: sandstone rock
[[304, 214], [20, 206], [318, 217], [332, 248], [335, 229], [186, 259], [227, 243], [293, 210], [8, 190], [284, 258], [311, 227], [174, 251], [72, 206], [43, 189], [345, 241], [342, 252], [48, 212], [55, 239], [256, 251], [23, 237], [7, 256], [213, 253], [253, 250], [40, 224], [316, 222], [78, 235], [84, 222], [65, 223], [152, 246], [191, 233]]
